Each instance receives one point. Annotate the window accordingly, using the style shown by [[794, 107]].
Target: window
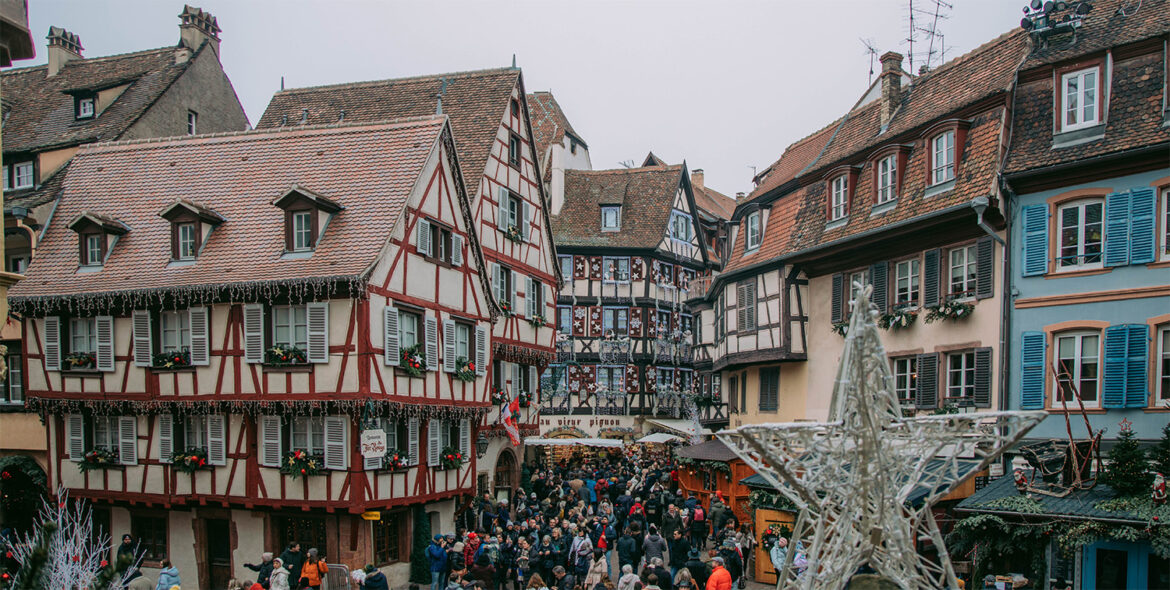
[[680, 226], [1078, 91], [175, 330], [663, 323], [752, 231], [192, 119], [502, 284], [720, 322], [186, 241], [105, 432], [942, 162], [566, 267], [408, 329], [290, 326], [514, 150], [17, 263], [194, 433], [1162, 393], [463, 341], [687, 323], [443, 243], [857, 281], [906, 379], [616, 320], [12, 388], [564, 319], [84, 108], [515, 108], [686, 378], [1078, 368], [839, 187], [665, 379], [906, 283], [389, 534], [302, 229], [1081, 230], [666, 275], [611, 218], [22, 176], [611, 378], [961, 376], [151, 534], [769, 389], [82, 335], [963, 265], [887, 174], [308, 434], [617, 270], [94, 244]]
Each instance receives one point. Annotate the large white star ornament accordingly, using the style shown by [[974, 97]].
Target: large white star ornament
[[850, 478]]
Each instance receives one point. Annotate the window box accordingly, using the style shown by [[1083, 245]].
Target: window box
[[395, 460], [99, 458], [79, 361], [841, 328], [537, 321], [451, 458], [298, 463], [899, 318], [172, 360], [513, 233], [464, 370], [285, 356], [525, 399], [498, 396], [414, 361], [951, 309], [190, 460]]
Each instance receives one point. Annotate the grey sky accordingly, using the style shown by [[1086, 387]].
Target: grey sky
[[724, 84]]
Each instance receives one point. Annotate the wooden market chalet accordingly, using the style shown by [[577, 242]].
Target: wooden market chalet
[[243, 298]]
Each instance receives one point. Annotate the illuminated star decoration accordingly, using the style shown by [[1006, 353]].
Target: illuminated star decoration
[[850, 477]]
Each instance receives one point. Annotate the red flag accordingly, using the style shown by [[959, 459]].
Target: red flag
[[508, 417]]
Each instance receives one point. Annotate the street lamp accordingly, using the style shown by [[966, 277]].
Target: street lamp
[[481, 445]]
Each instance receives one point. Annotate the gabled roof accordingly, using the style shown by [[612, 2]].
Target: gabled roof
[[374, 167], [42, 114], [1111, 23], [711, 450], [1080, 504], [38, 195], [653, 160], [475, 102], [645, 194], [796, 158], [713, 202], [549, 123]]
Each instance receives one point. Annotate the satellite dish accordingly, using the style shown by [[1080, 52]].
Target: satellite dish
[[1026, 24]]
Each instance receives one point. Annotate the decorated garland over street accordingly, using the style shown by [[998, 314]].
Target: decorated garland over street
[[252, 407]]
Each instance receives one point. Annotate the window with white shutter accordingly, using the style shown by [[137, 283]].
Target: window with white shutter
[[481, 351], [456, 250], [75, 436], [52, 345], [318, 320], [392, 350], [200, 335], [216, 439], [433, 441], [128, 440], [336, 448], [271, 442], [524, 229], [432, 343], [514, 292], [104, 354], [254, 333], [465, 438], [424, 237], [166, 437], [449, 346], [143, 341], [412, 440]]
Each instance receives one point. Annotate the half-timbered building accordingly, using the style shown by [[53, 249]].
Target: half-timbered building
[[489, 116], [214, 321]]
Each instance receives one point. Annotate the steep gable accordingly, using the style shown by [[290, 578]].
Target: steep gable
[[645, 195]]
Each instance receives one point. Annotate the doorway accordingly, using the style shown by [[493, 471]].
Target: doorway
[[219, 553]]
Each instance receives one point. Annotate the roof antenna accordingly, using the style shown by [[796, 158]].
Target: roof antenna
[[872, 51]]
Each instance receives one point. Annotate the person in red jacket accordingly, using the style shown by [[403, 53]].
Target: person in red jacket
[[720, 578]]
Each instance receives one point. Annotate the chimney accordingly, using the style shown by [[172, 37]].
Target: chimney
[[63, 46], [697, 178], [197, 26], [891, 85]]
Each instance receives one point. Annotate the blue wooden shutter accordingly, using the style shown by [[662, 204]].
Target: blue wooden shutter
[[1032, 345], [1035, 227], [1136, 383], [1117, 229], [931, 278], [1143, 204], [877, 277], [1116, 366]]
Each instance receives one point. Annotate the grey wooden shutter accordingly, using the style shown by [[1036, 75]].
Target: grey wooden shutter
[[271, 441], [423, 241], [317, 315], [481, 351], [128, 440], [524, 221], [216, 439], [392, 351], [740, 306], [200, 336], [433, 442], [927, 381], [465, 439], [449, 346], [52, 346], [431, 333], [412, 440], [456, 250], [530, 297], [984, 268], [166, 437], [930, 277], [502, 221], [336, 449], [838, 306], [750, 313], [75, 435], [515, 292], [254, 332], [143, 343], [104, 325], [878, 277], [983, 377]]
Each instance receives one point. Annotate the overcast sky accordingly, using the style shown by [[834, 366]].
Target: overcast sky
[[723, 84]]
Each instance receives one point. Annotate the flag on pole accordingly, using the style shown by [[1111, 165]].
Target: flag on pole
[[508, 417]]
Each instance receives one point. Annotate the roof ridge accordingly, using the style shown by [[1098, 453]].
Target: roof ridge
[[387, 81], [985, 46], [626, 170], [89, 60]]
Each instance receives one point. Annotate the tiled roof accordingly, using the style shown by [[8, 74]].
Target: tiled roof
[[475, 101], [713, 201], [1135, 100], [42, 114], [1079, 503], [795, 158], [549, 123], [778, 235], [369, 168], [712, 450], [645, 194]]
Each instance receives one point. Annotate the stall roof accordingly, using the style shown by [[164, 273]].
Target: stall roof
[[1078, 505], [659, 437], [758, 481], [682, 427], [567, 442], [712, 450]]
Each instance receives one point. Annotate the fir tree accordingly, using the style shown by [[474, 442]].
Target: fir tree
[[1128, 469], [1160, 454], [420, 565]]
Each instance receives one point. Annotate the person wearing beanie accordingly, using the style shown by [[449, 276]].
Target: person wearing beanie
[[437, 558], [279, 578], [375, 579], [699, 570]]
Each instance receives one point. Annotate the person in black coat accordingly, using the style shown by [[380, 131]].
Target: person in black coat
[[628, 550], [263, 569], [680, 547], [699, 570], [292, 559], [375, 579]]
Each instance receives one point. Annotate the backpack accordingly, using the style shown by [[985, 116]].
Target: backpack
[[700, 516]]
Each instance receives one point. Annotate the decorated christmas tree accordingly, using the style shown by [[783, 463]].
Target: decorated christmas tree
[[1160, 454], [420, 566], [1128, 470]]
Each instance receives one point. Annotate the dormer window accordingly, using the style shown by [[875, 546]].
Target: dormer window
[[887, 174], [1080, 99], [93, 249], [306, 215], [752, 231], [839, 188], [611, 218], [85, 107], [96, 235], [19, 175], [942, 153], [302, 228], [191, 224]]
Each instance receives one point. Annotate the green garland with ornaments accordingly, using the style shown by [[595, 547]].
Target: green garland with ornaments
[[703, 464]]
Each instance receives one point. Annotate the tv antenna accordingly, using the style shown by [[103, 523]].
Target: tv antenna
[[871, 50], [924, 28]]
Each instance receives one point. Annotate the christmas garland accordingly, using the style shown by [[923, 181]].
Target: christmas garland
[[450, 458], [703, 464], [414, 361], [840, 328], [524, 355], [298, 463], [395, 460], [758, 499], [79, 360], [190, 460], [283, 356], [171, 359], [253, 407], [498, 396], [537, 321], [772, 534], [950, 309], [898, 319], [464, 370], [98, 458], [513, 233]]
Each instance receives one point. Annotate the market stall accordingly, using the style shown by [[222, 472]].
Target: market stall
[[660, 438], [551, 450], [710, 467]]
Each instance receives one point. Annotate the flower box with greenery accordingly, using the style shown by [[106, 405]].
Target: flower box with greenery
[[498, 396], [951, 309], [190, 460], [899, 318], [414, 361], [537, 321], [464, 370], [298, 463], [99, 458], [840, 328], [283, 356], [79, 361], [450, 458], [525, 399], [395, 460], [513, 233], [506, 308], [172, 359], [703, 400]]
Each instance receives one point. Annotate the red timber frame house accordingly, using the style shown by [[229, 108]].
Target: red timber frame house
[[212, 321], [489, 115]]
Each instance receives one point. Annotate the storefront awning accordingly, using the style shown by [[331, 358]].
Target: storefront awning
[[684, 428], [659, 437], [568, 442]]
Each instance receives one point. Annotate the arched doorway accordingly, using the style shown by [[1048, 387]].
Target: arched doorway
[[507, 477], [22, 486]]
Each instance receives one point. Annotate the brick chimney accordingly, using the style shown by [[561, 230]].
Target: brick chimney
[[63, 46], [891, 85], [197, 26], [697, 178]]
